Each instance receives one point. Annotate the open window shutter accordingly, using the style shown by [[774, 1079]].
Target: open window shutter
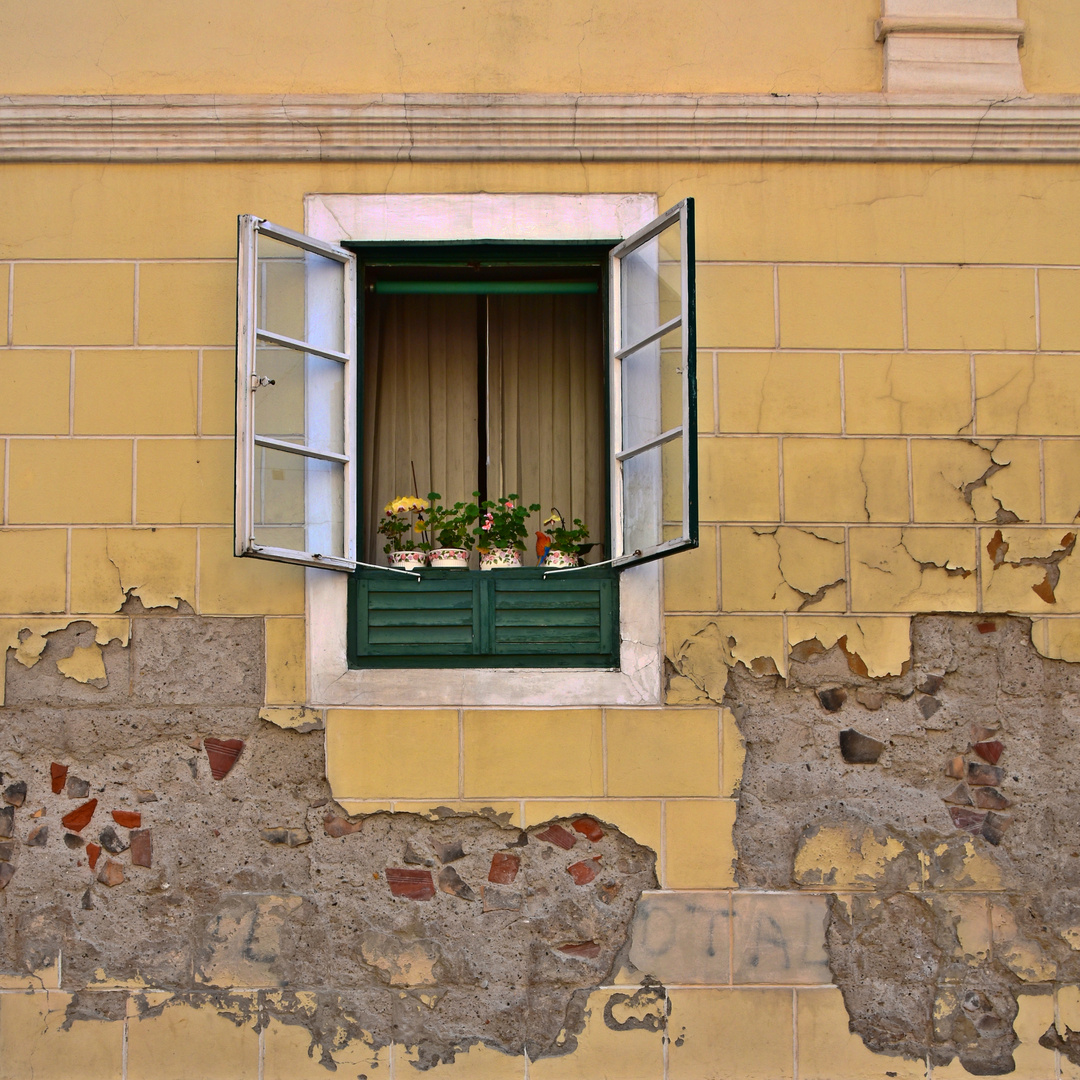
[[654, 390], [295, 398]]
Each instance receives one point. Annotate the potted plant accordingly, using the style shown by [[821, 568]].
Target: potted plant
[[558, 546], [402, 519], [451, 540], [501, 531]]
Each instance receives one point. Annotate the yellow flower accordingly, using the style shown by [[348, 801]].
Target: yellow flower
[[406, 504], [420, 526]]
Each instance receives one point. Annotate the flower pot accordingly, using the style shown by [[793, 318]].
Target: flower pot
[[449, 558], [499, 558], [407, 560], [561, 559]]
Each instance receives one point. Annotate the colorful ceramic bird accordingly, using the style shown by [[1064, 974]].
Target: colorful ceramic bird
[[554, 520]]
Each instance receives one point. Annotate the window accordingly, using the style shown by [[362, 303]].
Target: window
[[297, 461]]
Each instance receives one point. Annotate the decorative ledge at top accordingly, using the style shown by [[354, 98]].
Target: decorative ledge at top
[[1013, 29], [872, 127]]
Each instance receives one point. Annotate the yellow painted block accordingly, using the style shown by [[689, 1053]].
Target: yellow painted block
[[1010, 584], [387, 753], [941, 469], [828, 1050], [882, 644], [288, 1055], [690, 578], [34, 1042], [136, 393], [156, 565], [779, 392], [913, 570], [184, 481], [74, 304], [35, 576], [738, 479], [781, 570], [1015, 487], [533, 753], [185, 1041], [1027, 395], [699, 852], [663, 752], [733, 754], [47, 977], [286, 661], [907, 394], [1062, 640], [737, 1034], [848, 480], [218, 392], [187, 303], [70, 481], [705, 393], [34, 392], [232, 586], [1059, 308], [1061, 459], [735, 306], [970, 307], [840, 307], [638, 818], [606, 1054], [1068, 1011], [352, 807]]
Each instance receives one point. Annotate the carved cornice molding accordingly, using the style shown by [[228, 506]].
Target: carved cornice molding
[[872, 127]]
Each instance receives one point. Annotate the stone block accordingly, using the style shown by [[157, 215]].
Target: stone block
[[739, 479], [34, 397], [779, 938], [184, 481], [74, 304], [907, 393], [1059, 308], [136, 393], [286, 661], [189, 303], [1021, 394], [70, 481], [698, 845], [36, 576], [663, 752], [231, 586], [683, 937], [735, 306], [779, 393], [840, 307], [845, 480]]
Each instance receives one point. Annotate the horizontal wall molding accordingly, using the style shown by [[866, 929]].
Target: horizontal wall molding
[[872, 127]]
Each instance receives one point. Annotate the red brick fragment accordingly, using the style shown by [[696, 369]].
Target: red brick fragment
[[589, 828], [504, 868], [586, 950], [141, 848], [7, 872], [129, 819], [986, 627], [80, 817], [585, 871], [410, 884], [965, 818], [112, 873], [989, 751], [92, 853], [59, 777], [956, 768], [980, 775], [339, 826], [557, 835], [15, 794], [989, 798], [38, 836], [222, 754], [994, 827], [959, 795]]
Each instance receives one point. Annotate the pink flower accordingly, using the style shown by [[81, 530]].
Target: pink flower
[[509, 506], [487, 525]]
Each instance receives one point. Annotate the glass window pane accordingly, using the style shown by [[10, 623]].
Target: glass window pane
[[288, 488], [652, 386], [642, 525], [304, 404], [651, 285], [300, 294]]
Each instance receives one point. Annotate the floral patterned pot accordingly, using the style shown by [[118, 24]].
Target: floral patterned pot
[[449, 558], [407, 560], [499, 558], [561, 559]]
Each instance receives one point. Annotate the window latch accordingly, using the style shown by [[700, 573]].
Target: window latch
[[260, 380]]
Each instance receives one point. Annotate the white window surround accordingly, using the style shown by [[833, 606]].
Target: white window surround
[[478, 217]]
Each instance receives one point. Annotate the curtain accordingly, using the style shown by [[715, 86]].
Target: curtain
[[543, 412]]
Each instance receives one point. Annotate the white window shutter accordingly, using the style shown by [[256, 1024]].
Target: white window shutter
[[654, 390], [295, 398]]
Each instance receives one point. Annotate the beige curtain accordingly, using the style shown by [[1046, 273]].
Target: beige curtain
[[420, 389], [546, 405]]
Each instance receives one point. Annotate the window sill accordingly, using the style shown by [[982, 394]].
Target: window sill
[[637, 681]]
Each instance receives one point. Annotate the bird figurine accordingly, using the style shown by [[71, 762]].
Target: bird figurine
[[554, 520]]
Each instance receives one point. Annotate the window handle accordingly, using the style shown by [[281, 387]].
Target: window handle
[[260, 380]]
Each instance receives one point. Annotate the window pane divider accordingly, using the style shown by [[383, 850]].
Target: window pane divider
[[296, 448], [659, 332], [659, 440], [301, 346]]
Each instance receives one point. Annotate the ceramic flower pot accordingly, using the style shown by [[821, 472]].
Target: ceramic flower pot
[[561, 559], [407, 560], [499, 558], [449, 558]]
